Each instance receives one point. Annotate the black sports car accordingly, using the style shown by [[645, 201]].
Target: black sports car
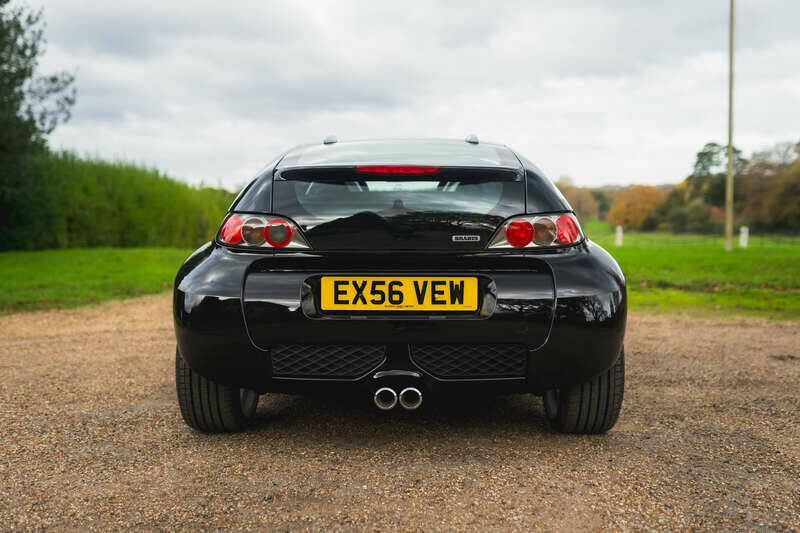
[[403, 268]]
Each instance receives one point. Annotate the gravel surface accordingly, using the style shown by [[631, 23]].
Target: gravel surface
[[91, 438]]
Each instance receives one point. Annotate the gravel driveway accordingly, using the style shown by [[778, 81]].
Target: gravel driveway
[[91, 438]]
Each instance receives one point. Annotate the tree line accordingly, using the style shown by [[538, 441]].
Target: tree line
[[60, 200], [50, 199], [766, 195]]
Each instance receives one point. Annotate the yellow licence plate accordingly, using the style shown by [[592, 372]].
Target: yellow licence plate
[[412, 293]]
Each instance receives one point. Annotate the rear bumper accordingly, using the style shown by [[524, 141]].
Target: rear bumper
[[565, 311]]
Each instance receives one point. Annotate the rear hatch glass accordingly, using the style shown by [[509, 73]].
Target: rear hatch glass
[[340, 208]]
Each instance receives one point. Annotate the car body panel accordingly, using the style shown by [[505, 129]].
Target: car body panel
[[444, 152], [518, 290], [235, 309], [541, 195], [584, 335]]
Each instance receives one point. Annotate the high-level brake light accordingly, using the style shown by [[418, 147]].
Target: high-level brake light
[[397, 169]]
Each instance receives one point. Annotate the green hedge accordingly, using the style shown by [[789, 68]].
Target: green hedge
[[59, 200]]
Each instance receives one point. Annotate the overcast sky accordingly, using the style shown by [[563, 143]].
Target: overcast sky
[[613, 92]]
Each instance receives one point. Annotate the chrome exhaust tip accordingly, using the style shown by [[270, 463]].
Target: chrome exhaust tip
[[385, 399], [410, 398]]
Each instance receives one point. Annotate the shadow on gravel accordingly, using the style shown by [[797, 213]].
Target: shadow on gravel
[[353, 419]]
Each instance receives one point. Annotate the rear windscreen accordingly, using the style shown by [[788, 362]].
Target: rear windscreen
[[318, 200]]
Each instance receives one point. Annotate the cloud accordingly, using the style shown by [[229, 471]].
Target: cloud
[[619, 92]]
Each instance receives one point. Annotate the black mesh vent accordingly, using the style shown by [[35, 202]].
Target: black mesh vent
[[326, 361], [463, 361]]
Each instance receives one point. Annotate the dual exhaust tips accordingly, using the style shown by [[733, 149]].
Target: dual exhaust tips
[[409, 398]]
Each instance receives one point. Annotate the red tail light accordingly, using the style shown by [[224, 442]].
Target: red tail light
[[254, 231], [535, 231], [231, 232], [278, 233], [519, 232], [568, 231], [397, 169]]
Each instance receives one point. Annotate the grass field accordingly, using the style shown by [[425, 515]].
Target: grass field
[[67, 278], [694, 273], [682, 273]]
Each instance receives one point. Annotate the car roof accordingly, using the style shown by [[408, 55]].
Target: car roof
[[441, 152]]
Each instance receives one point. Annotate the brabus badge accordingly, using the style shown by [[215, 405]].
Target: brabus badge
[[466, 238]]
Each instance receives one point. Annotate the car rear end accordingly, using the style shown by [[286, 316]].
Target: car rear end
[[397, 266]]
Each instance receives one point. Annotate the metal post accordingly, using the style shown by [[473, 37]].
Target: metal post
[[729, 181], [618, 240]]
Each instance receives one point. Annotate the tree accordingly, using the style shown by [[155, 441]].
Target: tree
[[713, 159], [782, 202], [766, 194], [633, 205], [31, 105], [694, 217], [781, 155], [603, 198], [565, 182], [764, 175], [582, 202]]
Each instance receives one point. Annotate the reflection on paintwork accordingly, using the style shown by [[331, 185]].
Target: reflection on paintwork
[[586, 335], [190, 300], [590, 310]]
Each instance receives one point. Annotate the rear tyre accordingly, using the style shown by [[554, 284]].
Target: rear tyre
[[209, 406], [588, 408]]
